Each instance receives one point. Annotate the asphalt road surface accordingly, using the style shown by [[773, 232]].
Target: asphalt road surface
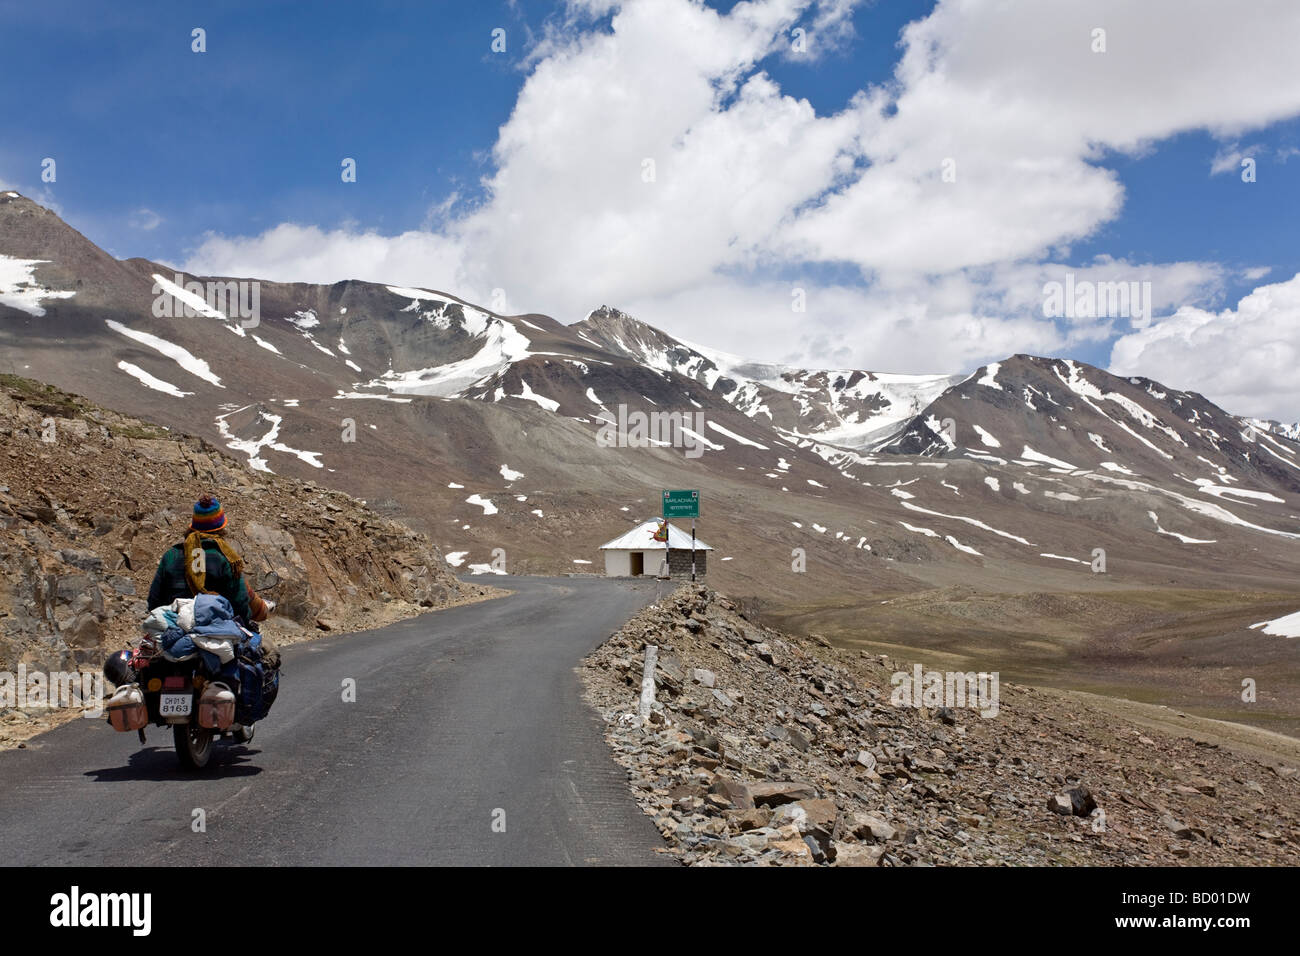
[[463, 719]]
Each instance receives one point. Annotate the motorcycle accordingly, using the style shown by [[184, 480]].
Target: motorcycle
[[201, 707]]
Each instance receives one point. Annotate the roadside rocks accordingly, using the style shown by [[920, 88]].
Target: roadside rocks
[[767, 749]]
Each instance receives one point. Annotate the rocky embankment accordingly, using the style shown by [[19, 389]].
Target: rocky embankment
[[764, 748], [90, 499]]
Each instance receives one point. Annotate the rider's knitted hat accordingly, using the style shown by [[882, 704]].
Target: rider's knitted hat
[[208, 515]]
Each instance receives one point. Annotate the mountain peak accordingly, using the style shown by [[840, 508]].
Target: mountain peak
[[608, 312]]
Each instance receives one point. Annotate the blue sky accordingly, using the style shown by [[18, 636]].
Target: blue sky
[[160, 150]]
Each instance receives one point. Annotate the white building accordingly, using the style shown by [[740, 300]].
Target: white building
[[636, 552]]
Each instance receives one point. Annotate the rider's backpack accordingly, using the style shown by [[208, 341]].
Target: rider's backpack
[[258, 683]]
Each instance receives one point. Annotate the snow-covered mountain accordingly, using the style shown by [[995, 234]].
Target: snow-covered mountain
[[491, 431], [1029, 409], [851, 408]]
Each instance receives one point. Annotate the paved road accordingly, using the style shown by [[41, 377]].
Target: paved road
[[459, 714]]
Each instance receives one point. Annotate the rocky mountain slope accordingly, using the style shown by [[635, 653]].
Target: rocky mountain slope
[[765, 748], [90, 499]]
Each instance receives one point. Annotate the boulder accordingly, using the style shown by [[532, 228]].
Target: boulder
[[779, 793], [744, 820], [856, 854], [868, 826], [736, 793], [1077, 801], [84, 633], [85, 560], [816, 820], [1060, 804]]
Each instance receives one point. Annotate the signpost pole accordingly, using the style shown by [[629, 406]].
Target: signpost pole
[[692, 550]]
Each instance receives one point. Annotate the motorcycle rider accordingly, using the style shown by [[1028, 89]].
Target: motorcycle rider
[[204, 563]]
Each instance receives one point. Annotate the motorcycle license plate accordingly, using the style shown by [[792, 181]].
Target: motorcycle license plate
[[175, 705]]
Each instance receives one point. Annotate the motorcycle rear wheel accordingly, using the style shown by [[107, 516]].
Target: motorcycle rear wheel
[[193, 745]]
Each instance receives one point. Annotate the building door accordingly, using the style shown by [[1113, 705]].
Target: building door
[[638, 563]]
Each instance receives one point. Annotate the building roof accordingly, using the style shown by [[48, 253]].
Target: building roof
[[641, 538]]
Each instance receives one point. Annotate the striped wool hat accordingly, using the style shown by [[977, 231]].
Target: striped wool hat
[[208, 515]]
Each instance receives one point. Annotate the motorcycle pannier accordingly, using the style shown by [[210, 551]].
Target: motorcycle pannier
[[217, 707], [126, 708]]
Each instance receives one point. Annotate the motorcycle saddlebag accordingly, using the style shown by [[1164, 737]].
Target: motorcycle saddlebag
[[216, 707], [126, 708]]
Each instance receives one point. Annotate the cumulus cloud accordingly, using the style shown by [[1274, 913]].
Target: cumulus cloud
[[1243, 359], [650, 162]]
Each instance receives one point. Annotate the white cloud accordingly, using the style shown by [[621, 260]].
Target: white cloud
[[311, 254], [1243, 359], [145, 219], [750, 183], [1228, 158]]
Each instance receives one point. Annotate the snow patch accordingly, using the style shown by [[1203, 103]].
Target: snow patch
[[1288, 626], [961, 547], [265, 344], [195, 366], [19, 290], [988, 440], [925, 531], [529, 395], [1174, 534], [1062, 557], [990, 377], [1030, 455], [148, 381], [252, 447], [970, 521], [732, 435]]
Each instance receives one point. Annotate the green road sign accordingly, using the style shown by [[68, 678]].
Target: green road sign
[[681, 504]]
